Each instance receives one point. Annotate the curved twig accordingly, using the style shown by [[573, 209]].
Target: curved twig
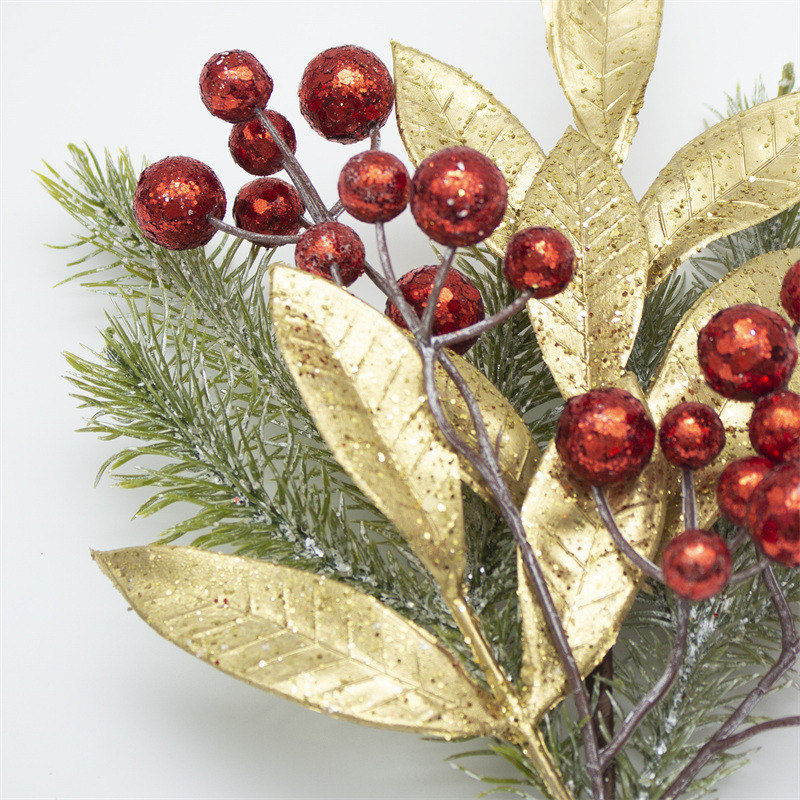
[[267, 240]]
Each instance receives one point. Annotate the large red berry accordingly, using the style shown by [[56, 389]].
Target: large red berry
[[268, 205], [331, 245], [691, 435], [345, 92], [775, 426], [173, 200], [253, 148], [774, 515], [233, 85], [374, 186], [539, 259], [460, 303], [605, 436], [458, 196], [697, 564], [736, 485], [790, 292], [746, 351]]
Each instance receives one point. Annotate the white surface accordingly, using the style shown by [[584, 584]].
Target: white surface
[[95, 705]]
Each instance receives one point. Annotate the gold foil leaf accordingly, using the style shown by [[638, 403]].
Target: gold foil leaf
[[680, 379], [739, 172], [303, 637], [515, 447], [587, 331], [440, 106], [603, 52], [592, 583]]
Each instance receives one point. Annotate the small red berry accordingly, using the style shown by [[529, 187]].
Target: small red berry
[[374, 186], [460, 303], [605, 436], [775, 426], [746, 351], [736, 485], [233, 85], [268, 205], [458, 196], [331, 244], [539, 259], [691, 435], [345, 92], [254, 150], [790, 292], [774, 515], [697, 564], [173, 200]]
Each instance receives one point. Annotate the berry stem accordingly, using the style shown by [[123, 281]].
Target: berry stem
[[754, 730], [426, 323], [268, 240], [486, 324], [689, 499]]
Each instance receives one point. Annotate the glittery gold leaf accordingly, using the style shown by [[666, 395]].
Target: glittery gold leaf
[[587, 331], [741, 171], [303, 637], [592, 584], [440, 106], [680, 379], [603, 52]]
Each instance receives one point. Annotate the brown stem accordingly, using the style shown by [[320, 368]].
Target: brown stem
[[754, 730], [267, 240], [603, 719]]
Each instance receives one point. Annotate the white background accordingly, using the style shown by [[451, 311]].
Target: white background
[[95, 705]]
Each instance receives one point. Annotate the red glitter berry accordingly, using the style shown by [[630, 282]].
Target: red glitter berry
[[268, 205], [458, 196], [539, 259], [790, 292], [746, 351], [345, 92], [736, 485], [173, 200], [460, 303], [774, 515], [254, 150], [233, 85], [605, 436], [328, 245], [691, 435], [775, 426], [697, 564], [374, 186]]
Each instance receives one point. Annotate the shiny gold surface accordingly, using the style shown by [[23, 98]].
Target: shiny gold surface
[[587, 331], [302, 636]]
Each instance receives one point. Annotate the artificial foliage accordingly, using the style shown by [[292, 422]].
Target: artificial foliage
[[204, 371]]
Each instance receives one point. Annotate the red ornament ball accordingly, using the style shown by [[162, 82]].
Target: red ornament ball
[[460, 303], [331, 244], [691, 435], [539, 259], [345, 92], [233, 85], [790, 292], [697, 564], [746, 351], [458, 196], [736, 485], [268, 205], [254, 149], [775, 426], [374, 186], [605, 436], [774, 515], [173, 200]]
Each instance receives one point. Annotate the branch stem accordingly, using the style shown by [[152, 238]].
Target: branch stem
[[267, 240], [689, 499]]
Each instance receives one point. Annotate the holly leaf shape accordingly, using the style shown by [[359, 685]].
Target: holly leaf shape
[[603, 52], [439, 106], [736, 174], [680, 378], [592, 583], [361, 378], [586, 332], [301, 636]]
